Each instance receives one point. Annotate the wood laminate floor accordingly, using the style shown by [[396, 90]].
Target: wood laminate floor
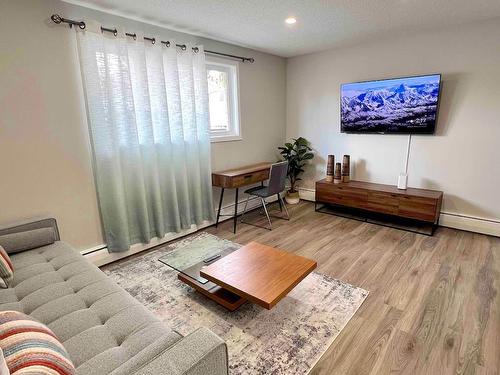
[[434, 303]]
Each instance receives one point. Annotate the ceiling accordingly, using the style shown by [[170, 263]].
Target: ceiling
[[321, 24]]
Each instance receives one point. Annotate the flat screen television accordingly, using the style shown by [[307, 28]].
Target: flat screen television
[[400, 105]]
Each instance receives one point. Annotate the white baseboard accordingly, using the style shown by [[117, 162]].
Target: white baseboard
[[103, 256], [100, 256], [307, 194], [93, 249], [469, 223]]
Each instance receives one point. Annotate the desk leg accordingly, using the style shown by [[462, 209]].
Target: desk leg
[[220, 205], [235, 219]]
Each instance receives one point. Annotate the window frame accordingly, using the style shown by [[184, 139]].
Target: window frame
[[232, 68]]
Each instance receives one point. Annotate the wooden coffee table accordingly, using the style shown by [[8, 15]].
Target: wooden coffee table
[[257, 273]]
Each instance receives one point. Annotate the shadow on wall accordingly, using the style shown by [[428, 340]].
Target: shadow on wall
[[448, 101], [453, 203], [314, 171], [359, 171]]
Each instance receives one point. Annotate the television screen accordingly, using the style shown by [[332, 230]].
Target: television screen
[[400, 105]]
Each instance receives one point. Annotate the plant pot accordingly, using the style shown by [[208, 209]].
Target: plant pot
[[292, 198]]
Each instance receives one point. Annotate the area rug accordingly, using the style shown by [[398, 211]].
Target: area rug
[[288, 339]]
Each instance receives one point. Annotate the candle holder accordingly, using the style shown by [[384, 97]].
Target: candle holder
[[346, 168], [337, 179], [330, 168]]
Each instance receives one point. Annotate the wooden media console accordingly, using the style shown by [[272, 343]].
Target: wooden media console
[[420, 205]]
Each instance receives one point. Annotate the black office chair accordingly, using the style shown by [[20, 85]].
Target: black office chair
[[277, 180]]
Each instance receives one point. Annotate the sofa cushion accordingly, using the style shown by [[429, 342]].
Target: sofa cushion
[[30, 347], [101, 325], [30, 239], [6, 269]]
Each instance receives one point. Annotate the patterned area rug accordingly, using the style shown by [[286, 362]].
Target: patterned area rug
[[289, 339]]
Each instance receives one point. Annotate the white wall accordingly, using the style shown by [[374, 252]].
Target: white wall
[[462, 158], [45, 158]]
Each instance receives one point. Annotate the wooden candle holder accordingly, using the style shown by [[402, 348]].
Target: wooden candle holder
[[330, 168]]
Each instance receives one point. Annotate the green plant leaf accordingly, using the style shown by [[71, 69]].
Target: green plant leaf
[[298, 154]]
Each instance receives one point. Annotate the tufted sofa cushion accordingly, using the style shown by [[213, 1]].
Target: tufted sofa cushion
[[102, 327]]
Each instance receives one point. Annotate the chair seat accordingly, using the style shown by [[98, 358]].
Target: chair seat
[[259, 191]]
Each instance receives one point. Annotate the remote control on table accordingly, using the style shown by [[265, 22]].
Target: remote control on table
[[212, 258]]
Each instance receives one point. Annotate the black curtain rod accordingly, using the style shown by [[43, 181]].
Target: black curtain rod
[[81, 24]]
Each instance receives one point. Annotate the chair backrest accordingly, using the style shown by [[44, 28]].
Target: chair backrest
[[277, 177]]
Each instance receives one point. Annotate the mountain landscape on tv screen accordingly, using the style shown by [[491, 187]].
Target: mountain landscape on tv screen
[[397, 105]]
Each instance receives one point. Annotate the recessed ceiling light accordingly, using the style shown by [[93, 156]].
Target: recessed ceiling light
[[291, 20]]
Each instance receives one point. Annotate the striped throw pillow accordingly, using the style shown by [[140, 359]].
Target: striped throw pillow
[[6, 268], [30, 347]]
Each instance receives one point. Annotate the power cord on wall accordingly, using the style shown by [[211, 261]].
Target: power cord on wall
[[407, 154], [403, 177]]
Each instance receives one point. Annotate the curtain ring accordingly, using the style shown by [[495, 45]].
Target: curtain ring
[[115, 32], [167, 43], [134, 36], [196, 49], [153, 40], [82, 25], [183, 47]]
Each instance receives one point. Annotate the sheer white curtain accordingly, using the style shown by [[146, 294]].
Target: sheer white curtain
[[149, 123]]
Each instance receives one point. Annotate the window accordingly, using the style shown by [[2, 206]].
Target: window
[[223, 100]]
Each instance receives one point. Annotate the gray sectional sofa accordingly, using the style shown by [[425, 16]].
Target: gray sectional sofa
[[104, 329]]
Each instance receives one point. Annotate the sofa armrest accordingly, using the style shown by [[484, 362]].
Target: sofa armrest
[[23, 226], [200, 353], [29, 234]]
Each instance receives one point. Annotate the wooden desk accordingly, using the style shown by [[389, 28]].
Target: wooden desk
[[236, 178]]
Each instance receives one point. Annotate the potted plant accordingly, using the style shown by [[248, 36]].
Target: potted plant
[[297, 154]]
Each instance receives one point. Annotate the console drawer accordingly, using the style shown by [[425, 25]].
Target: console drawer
[[382, 202], [338, 194], [383, 198], [380, 207], [416, 200], [415, 209]]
